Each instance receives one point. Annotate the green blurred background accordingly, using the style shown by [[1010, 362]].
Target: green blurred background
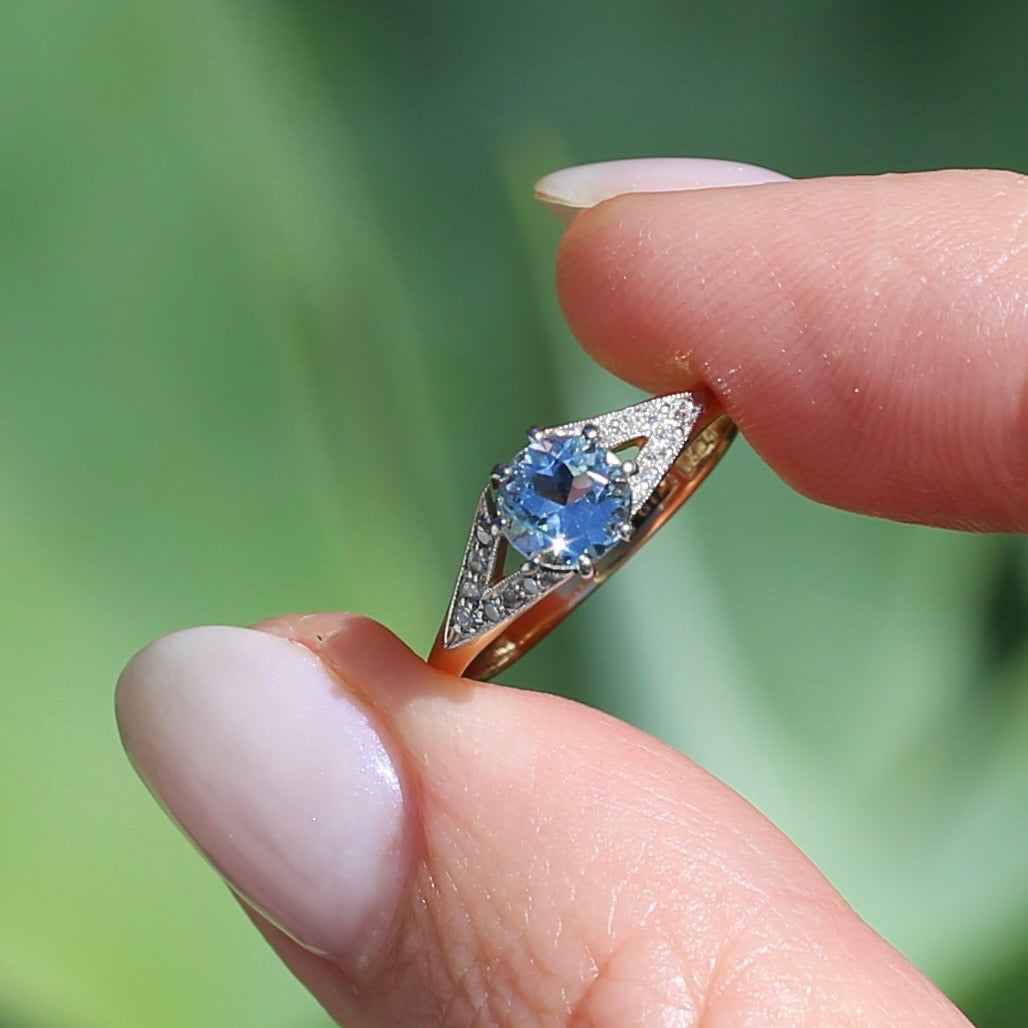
[[274, 297]]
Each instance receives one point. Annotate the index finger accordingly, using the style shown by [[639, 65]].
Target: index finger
[[867, 334]]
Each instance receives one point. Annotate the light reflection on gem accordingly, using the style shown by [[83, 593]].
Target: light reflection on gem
[[563, 498]]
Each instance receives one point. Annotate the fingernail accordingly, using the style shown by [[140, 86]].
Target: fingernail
[[280, 778], [571, 190]]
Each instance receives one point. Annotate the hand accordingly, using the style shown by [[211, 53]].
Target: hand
[[423, 850]]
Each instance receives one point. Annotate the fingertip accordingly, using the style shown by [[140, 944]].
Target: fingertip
[[863, 333], [617, 310], [285, 781], [559, 863]]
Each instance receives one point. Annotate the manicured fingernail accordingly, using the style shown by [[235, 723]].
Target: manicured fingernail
[[571, 190], [278, 776]]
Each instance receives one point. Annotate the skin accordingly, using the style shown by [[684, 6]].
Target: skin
[[867, 334], [870, 337]]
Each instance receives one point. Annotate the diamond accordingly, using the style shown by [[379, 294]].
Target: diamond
[[564, 497]]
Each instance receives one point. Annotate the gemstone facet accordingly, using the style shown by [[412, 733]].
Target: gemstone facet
[[564, 498]]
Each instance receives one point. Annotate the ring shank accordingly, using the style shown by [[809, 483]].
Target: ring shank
[[486, 656]]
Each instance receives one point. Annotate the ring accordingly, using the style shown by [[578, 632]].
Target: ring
[[567, 511]]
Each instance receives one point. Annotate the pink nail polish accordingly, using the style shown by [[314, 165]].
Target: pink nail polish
[[571, 190], [280, 778]]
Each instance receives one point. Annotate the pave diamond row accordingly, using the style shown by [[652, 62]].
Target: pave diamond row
[[662, 425]]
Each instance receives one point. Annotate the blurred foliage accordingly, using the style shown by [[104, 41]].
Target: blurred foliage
[[266, 267]]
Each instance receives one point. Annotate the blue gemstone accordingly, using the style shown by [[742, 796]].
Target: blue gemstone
[[565, 497]]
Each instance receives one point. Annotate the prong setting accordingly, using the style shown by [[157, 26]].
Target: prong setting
[[497, 476], [585, 566], [590, 432], [535, 434], [630, 467]]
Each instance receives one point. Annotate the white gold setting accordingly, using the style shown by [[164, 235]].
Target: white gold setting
[[678, 437]]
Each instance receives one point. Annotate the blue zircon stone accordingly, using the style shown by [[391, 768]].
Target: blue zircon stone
[[564, 498]]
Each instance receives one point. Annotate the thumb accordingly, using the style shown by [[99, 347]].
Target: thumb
[[426, 850]]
